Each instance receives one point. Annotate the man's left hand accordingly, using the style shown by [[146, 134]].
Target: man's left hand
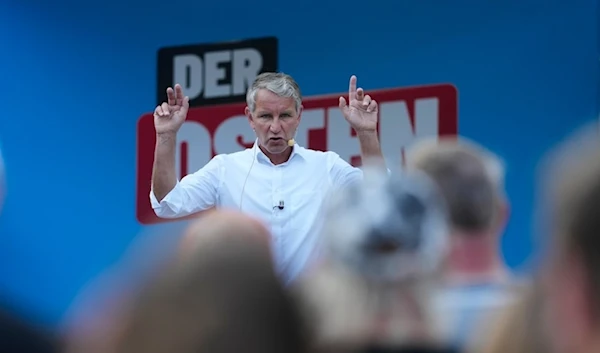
[[362, 111]]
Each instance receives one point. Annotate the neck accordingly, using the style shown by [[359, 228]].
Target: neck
[[474, 258], [278, 158]]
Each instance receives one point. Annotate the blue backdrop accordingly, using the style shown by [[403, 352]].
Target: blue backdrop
[[76, 77]]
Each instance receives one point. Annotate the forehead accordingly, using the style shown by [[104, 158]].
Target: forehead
[[267, 100]]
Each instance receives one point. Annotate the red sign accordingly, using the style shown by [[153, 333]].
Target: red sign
[[405, 114]]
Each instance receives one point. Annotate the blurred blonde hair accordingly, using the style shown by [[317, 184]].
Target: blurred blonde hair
[[428, 147], [571, 187], [518, 329]]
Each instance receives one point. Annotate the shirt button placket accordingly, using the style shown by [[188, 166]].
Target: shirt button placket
[[278, 196]]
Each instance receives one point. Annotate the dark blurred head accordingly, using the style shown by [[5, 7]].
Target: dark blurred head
[[19, 335], [469, 177], [573, 216], [221, 296]]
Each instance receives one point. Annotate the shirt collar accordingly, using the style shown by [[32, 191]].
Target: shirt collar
[[297, 152]]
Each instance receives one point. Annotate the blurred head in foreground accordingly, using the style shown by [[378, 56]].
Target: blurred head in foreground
[[383, 240], [220, 294], [572, 214], [471, 180], [476, 281], [222, 226]]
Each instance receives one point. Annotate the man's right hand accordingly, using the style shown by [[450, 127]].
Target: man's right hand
[[170, 115]]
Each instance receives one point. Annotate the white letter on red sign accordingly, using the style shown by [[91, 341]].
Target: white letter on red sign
[[312, 119], [228, 131], [339, 135], [395, 129], [197, 138]]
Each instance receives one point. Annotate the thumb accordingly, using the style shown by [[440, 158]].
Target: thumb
[[343, 104], [185, 105]]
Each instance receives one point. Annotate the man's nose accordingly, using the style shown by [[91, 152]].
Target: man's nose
[[275, 126]]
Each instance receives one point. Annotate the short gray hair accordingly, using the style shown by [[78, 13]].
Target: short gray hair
[[277, 82]]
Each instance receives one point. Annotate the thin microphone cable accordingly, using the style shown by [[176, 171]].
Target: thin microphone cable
[[249, 170]]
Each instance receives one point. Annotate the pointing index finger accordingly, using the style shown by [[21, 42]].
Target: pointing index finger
[[179, 94], [352, 88]]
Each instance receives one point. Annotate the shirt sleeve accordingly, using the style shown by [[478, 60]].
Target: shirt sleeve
[[342, 173], [194, 193]]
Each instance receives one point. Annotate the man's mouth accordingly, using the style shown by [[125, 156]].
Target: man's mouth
[[276, 138]]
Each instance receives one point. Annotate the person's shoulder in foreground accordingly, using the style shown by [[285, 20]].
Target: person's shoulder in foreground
[[416, 348], [410, 349]]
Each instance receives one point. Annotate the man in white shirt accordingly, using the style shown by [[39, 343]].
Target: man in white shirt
[[276, 180]]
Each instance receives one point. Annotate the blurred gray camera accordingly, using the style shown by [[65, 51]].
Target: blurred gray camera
[[388, 227]]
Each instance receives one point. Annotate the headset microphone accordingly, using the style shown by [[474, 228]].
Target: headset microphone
[[292, 141]]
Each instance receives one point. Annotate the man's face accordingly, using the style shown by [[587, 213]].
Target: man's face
[[275, 120]]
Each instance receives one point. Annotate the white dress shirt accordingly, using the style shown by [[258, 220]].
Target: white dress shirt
[[248, 181]]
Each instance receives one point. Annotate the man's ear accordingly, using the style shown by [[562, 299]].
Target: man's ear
[[248, 114], [300, 110]]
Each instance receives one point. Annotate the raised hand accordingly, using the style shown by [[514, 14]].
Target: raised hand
[[362, 111], [170, 115]]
